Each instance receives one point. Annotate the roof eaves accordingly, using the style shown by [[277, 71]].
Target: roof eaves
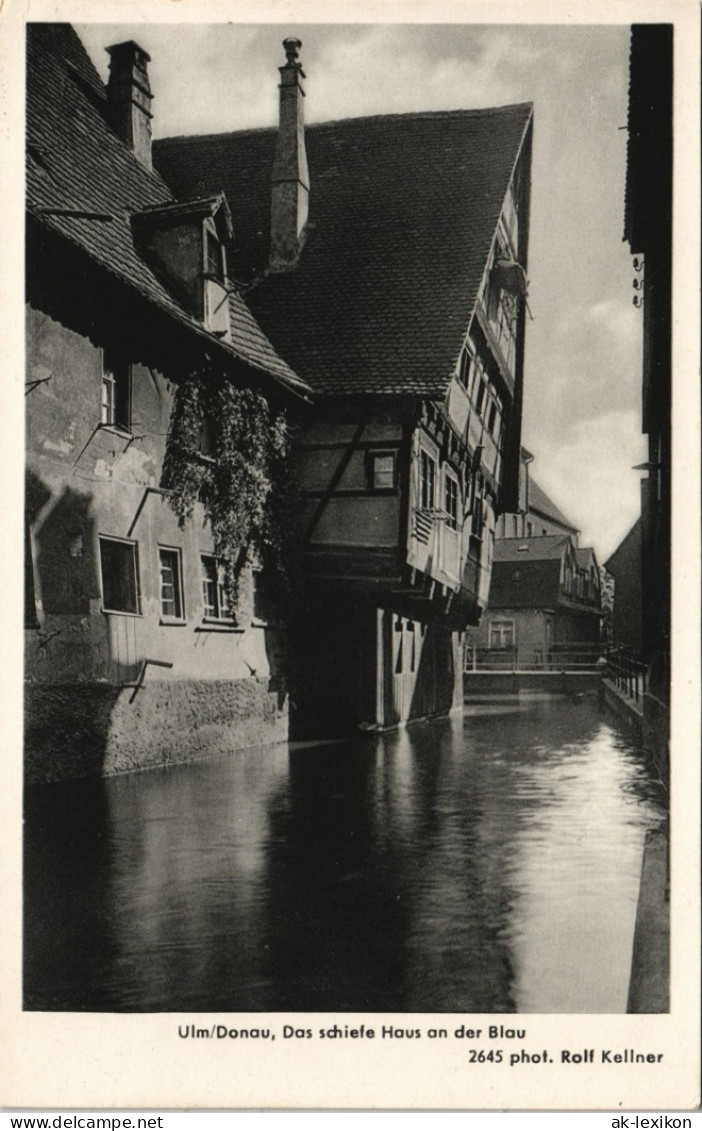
[[171, 308]]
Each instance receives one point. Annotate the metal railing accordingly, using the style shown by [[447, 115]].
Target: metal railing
[[576, 657], [627, 672]]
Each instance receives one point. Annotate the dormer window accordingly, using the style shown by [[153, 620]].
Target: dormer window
[[184, 244]]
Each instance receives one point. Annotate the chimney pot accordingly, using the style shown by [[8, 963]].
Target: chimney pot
[[129, 97], [292, 50]]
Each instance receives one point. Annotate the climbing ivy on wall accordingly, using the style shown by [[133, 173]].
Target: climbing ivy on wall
[[244, 481]]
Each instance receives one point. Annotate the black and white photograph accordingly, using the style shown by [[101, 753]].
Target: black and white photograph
[[348, 467]]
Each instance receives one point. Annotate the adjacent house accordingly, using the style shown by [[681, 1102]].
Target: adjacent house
[[144, 640], [544, 608], [648, 231], [625, 566], [385, 258]]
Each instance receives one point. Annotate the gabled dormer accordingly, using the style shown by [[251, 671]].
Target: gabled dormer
[[185, 244]]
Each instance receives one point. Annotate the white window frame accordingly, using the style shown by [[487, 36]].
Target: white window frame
[[502, 627], [179, 608], [219, 609], [451, 513]]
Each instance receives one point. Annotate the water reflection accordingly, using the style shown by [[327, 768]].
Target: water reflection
[[486, 864]]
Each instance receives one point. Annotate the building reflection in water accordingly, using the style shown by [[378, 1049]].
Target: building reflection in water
[[485, 864]]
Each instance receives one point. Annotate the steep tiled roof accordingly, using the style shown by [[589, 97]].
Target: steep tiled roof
[[548, 547], [539, 501], [84, 183], [525, 584], [403, 210]]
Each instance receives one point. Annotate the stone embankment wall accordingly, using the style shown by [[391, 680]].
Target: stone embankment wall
[[95, 730]]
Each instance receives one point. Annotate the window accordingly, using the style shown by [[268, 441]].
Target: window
[[214, 257], [381, 470], [480, 394], [215, 598], [171, 580], [477, 520], [206, 439], [477, 375], [119, 570], [530, 529], [263, 608], [502, 634], [451, 501], [465, 367], [116, 409], [427, 481]]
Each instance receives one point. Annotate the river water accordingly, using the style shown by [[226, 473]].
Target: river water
[[488, 863]]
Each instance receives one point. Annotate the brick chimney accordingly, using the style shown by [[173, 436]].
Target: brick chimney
[[129, 98], [291, 181]]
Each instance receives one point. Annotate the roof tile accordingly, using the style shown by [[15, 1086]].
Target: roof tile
[[85, 184], [403, 209]]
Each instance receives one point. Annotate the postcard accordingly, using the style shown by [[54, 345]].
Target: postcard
[[351, 490]]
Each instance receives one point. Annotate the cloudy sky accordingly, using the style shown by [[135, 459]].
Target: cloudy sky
[[583, 353]]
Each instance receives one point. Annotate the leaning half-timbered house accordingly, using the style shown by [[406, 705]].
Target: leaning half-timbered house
[[387, 261]]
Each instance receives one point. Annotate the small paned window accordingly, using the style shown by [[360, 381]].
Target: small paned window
[[451, 502], [215, 598], [116, 408], [427, 481], [502, 634], [381, 470], [171, 583], [119, 571]]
